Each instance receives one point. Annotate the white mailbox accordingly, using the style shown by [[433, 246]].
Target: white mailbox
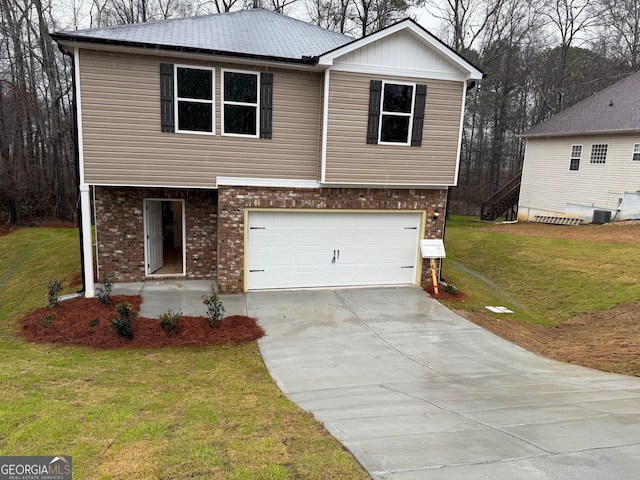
[[432, 248]]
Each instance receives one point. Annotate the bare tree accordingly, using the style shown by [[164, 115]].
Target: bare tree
[[36, 156], [621, 29], [331, 14], [571, 20]]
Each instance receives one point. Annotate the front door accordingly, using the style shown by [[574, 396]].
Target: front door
[[154, 236]]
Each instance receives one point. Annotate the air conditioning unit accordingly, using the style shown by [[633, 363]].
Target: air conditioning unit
[[601, 216]]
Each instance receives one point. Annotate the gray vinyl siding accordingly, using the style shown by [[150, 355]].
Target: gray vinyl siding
[[548, 185], [123, 144], [351, 160]]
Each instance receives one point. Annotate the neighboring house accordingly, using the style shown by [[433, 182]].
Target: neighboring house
[[264, 151], [584, 162]]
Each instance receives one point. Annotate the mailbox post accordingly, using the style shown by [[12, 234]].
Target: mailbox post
[[433, 249]]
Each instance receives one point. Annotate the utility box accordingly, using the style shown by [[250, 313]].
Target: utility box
[[601, 216]]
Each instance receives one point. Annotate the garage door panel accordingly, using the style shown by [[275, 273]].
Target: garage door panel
[[295, 249]]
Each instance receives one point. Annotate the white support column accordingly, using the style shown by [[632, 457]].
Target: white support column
[[87, 241]]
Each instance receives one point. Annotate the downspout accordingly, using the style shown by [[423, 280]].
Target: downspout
[[76, 154]]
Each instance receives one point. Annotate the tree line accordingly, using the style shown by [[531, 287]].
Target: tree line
[[539, 57]]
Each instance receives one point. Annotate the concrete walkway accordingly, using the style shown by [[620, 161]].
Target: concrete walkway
[[417, 392]]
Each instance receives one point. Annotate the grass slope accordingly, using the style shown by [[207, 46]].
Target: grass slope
[[543, 280], [173, 413]]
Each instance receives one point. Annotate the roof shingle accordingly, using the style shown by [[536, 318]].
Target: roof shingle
[[615, 109], [254, 33]]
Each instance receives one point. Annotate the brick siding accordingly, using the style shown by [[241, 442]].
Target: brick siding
[[233, 200], [120, 231]]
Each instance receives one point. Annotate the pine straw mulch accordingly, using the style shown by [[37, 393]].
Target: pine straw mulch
[[74, 319]]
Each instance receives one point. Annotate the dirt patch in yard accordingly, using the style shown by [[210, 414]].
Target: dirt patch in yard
[[84, 321], [607, 340], [615, 232]]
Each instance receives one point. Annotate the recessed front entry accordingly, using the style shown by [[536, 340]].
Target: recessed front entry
[[289, 249], [164, 237]]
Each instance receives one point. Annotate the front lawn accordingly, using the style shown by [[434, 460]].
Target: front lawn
[[210, 412]]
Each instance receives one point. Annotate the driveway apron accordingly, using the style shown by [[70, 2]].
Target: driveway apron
[[414, 391]]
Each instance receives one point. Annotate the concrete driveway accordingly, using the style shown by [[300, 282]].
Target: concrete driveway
[[416, 392]]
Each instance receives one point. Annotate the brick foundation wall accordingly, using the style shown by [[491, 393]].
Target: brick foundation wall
[[120, 231], [233, 200]]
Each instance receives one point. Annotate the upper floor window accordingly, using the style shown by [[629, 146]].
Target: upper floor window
[[396, 113], [187, 101], [576, 155], [599, 153], [636, 152], [194, 99], [240, 103]]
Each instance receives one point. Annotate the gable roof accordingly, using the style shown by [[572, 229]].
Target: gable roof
[[409, 25], [612, 110], [255, 33]]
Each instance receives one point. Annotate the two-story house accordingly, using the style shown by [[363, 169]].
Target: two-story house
[[264, 151], [583, 163]]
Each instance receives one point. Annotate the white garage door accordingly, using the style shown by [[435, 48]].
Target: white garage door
[[288, 249]]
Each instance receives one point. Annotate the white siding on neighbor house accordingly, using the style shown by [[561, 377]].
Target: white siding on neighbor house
[[404, 53], [548, 185]]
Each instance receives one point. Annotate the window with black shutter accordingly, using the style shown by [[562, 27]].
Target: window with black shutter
[[187, 101], [396, 113]]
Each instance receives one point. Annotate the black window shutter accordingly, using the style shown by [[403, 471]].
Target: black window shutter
[[418, 115], [167, 121], [375, 94], [266, 104]]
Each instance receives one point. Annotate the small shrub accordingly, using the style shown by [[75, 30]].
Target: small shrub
[[48, 319], [215, 309], [104, 293], [54, 287], [450, 289], [169, 320], [95, 322], [123, 323]]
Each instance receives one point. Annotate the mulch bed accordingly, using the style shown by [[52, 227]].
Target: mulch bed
[[75, 324], [442, 295]]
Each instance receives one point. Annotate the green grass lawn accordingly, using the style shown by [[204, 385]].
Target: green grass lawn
[[543, 280], [144, 414]]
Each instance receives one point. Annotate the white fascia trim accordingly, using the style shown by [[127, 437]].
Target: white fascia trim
[[144, 185], [398, 72], [266, 182], [76, 73], [325, 126], [458, 159], [384, 185], [473, 73]]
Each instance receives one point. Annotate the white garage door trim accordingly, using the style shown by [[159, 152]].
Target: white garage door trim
[[296, 248]]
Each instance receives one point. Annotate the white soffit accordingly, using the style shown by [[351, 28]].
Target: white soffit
[[404, 49]]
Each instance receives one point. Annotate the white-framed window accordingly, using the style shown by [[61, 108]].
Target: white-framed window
[[599, 153], [240, 103], [576, 155], [636, 152], [194, 99], [396, 113]]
